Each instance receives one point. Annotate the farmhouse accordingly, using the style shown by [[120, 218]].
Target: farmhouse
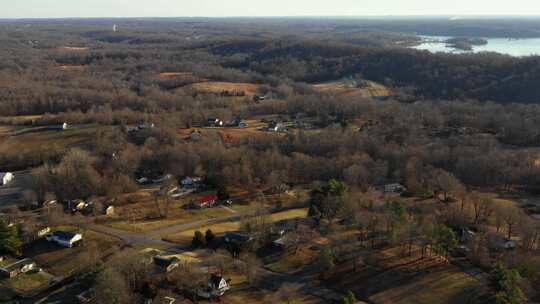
[[217, 286], [205, 201], [65, 239], [5, 178], [17, 268]]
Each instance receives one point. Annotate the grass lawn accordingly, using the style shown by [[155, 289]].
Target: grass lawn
[[28, 282], [450, 286], [219, 229], [62, 261], [292, 262], [394, 277], [183, 216]]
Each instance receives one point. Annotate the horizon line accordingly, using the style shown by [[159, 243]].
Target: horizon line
[[458, 16]]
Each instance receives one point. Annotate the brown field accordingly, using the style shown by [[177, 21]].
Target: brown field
[[71, 68], [72, 49], [182, 76], [177, 216], [19, 120], [394, 277], [33, 140], [340, 88], [219, 229], [214, 87], [232, 136]]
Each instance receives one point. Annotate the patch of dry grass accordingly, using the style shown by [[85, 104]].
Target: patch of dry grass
[[372, 89], [219, 229], [215, 87]]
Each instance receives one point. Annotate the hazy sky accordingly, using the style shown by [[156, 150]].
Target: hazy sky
[[173, 8]]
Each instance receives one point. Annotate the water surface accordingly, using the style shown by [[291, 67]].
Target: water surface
[[512, 47]]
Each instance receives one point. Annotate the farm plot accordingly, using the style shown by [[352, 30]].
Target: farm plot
[[369, 90], [214, 87]]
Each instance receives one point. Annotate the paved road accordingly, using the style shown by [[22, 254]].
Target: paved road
[[153, 238]]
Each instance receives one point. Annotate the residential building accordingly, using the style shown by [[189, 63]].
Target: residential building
[[394, 188], [205, 201], [65, 239], [21, 266], [145, 126], [5, 178], [214, 122], [165, 263], [191, 182], [109, 211], [236, 238], [217, 286]]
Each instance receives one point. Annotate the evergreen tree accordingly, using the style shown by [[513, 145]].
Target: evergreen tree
[[10, 242]]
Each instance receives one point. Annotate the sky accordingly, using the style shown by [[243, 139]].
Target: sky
[[230, 8]]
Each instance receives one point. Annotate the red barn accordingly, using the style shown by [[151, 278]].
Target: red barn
[[206, 201]]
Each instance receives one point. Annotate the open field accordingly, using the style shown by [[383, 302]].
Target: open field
[[394, 277], [371, 90], [185, 237], [294, 261], [182, 76], [180, 216], [215, 87], [233, 136], [28, 140], [445, 286], [72, 49], [71, 68]]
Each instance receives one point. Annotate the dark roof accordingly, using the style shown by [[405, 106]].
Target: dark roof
[[63, 235], [215, 280], [237, 237], [17, 265], [165, 262]]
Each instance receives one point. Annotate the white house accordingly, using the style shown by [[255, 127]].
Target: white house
[[66, 239], [109, 211], [217, 286], [17, 268], [394, 188], [5, 178]]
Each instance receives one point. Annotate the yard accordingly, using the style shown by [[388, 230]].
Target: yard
[[28, 282], [178, 215], [390, 276], [62, 261], [219, 229]]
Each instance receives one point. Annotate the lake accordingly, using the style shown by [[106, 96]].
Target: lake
[[512, 47]]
